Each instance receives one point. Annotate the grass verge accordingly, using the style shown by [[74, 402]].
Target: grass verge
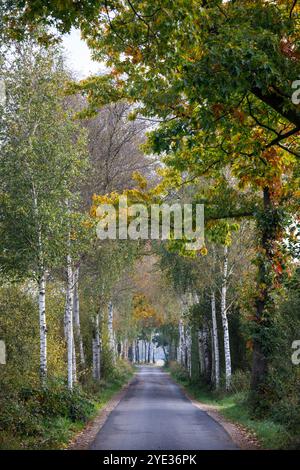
[[233, 407], [48, 419]]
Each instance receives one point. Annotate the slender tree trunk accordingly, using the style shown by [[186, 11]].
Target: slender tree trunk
[[225, 320], [94, 358], [201, 352], [43, 327], [149, 351], [213, 366], [189, 351], [69, 321], [42, 291], [97, 349], [181, 343], [74, 362], [111, 331], [207, 362], [216, 354], [165, 354], [76, 318]]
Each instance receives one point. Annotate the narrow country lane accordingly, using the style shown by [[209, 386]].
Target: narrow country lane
[[155, 414]]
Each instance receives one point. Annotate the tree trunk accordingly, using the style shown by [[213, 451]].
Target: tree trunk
[[42, 291], [225, 320], [76, 318], [271, 233], [216, 354], [181, 343], [43, 327], [133, 352], [74, 362], [111, 331], [189, 350], [97, 346], [207, 362], [149, 349], [201, 352], [94, 358], [69, 321], [165, 354]]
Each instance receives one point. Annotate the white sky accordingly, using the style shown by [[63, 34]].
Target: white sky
[[78, 55]]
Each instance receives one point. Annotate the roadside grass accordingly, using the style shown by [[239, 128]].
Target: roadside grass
[[52, 425], [234, 407]]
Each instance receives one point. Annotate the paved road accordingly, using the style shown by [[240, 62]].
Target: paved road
[[155, 414]]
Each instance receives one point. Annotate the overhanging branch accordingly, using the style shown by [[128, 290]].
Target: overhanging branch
[[278, 103]]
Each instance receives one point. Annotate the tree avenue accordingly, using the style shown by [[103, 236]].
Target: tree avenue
[[196, 106]]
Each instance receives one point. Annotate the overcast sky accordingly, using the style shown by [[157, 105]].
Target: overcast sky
[[78, 55]]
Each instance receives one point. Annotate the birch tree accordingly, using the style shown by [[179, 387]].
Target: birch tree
[[76, 317], [69, 322], [96, 349], [216, 354], [225, 319], [111, 330], [40, 154]]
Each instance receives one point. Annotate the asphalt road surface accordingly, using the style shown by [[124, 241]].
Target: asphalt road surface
[[155, 414]]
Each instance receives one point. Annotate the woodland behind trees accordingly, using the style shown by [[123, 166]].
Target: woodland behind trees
[[195, 106]]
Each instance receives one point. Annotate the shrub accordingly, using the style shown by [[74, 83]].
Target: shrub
[[178, 372], [240, 381], [23, 413]]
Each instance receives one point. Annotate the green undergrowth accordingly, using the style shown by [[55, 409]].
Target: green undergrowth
[[234, 407], [35, 418]]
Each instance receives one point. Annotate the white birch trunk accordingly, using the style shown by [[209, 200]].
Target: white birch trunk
[[43, 328], [150, 347], [74, 362], [69, 321], [133, 352], [181, 343], [138, 351], [216, 354], [225, 320], [76, 317], [189, 350], [94, 358], [42, 292], [111, 330]]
